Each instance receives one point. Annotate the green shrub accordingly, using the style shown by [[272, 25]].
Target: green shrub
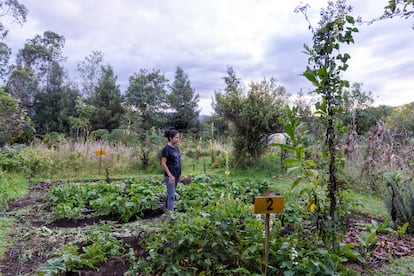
[[12, 159]]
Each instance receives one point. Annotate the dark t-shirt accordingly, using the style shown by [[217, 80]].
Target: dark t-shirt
[[173, 160]]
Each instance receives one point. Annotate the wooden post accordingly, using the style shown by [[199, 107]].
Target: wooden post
[[267, 205], [267, 236], [100, 163]]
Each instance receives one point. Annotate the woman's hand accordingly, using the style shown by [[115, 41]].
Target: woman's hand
[[171, 180]]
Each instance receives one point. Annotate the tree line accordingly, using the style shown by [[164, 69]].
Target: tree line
[[38, 97]]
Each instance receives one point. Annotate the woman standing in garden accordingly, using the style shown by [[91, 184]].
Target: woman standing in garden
[[171, 163]]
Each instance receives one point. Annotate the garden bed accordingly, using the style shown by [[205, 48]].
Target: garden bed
[[35, 235]]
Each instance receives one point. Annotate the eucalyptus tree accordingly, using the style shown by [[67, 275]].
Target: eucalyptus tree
[[9, 9], [401, 8], [253, 113], [90, 72], [13, 8], [184, 104], [33, 62], [107, 102]]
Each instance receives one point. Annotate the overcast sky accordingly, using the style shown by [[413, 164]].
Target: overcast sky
[[258, 38]]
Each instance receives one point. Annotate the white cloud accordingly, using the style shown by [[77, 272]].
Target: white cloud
[[259, 38]]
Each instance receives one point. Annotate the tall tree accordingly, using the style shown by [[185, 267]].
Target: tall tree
[[90, 72], [55, 103], [17, 12], [13, 8], [147, 94], [146, 102], [184, 102], [107, 102], [38, 53], [254, 115], [402, 8], [33, 63], [23, 85]]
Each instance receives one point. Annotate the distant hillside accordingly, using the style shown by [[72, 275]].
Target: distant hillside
[[201, 118]]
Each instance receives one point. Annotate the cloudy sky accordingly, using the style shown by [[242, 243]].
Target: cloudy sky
[[258, 38]]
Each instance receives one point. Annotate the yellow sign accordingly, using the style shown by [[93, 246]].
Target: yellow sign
[[100, 152], [268, 204]]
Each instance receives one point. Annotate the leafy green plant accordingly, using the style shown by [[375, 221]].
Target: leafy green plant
[[326, 64], [98, 247], [367, 240], [125, 199], [12, 186], [220, 238]]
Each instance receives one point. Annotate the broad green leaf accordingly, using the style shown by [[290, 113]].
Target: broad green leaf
[[311, 163], [293, 169], [350, 19], [283, 146], [291, 162], [296, 183]]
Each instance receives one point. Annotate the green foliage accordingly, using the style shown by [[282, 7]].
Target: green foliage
[[100, 134], [16, 11], [203, 191], [81, 122], [14, 123], [107, 102], [12, 186], [146, 95], [125, 199], [326, 65], [402, 8], [402, 119], [54, 104], [218, 239], [184, 103], [226, 238], [98, 247], [368, 117], [13, 12], [400, 201], [12, 159], [254, 115]]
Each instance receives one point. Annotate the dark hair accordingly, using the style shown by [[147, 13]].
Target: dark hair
[[170, 134]]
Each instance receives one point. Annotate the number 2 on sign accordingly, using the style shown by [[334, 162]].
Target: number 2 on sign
[[270, 202]]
